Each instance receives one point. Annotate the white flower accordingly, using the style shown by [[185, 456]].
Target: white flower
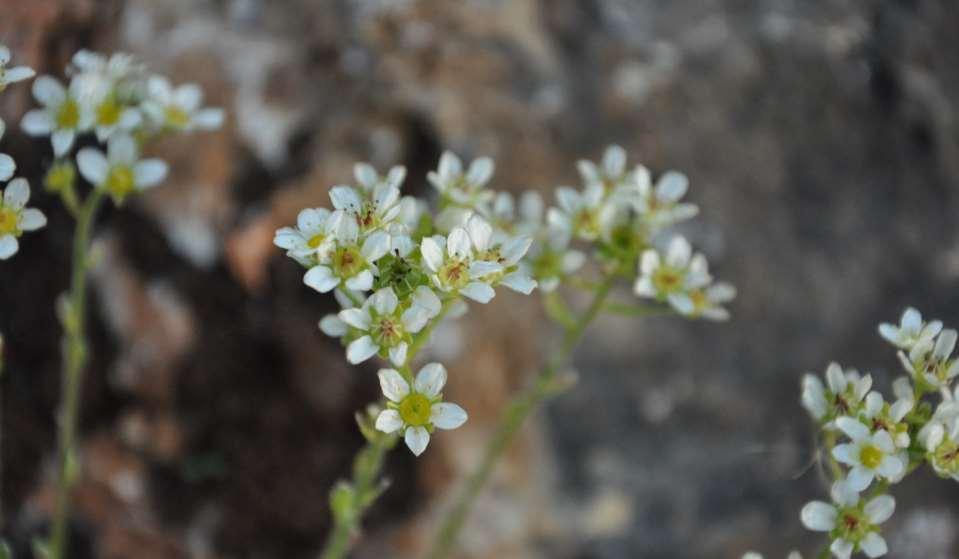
[[375, 211], [869, 454], [706, 302], [610, 173], [386, 325], [121, 172], [312, 241], [368, 179], [506, 252], [660, 206], [851, 527], [676, 277], [843, 394], [879, 415], [461, 192], [583, 215], [417, 410], [940, 438], [350, 263], [911, 330], [179, 109], [64, 113], [453, 267], [107, 84], [11, 75], [930, 363], [15, 218]]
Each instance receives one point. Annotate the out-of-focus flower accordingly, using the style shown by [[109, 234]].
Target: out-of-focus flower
[[179, 108], [121, 172], [869, 454], [16, 218], [65, 113], [851, 525], [12, 75]]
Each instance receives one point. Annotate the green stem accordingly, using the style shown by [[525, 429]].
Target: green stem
[[369, 462], [74, 360], [520, 407], [625, 309]]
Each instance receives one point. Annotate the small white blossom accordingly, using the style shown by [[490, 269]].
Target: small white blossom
[[121, 172], [371, 212], [312, 241], [506, 252], [416, 410], [583, 215], [610, 173], [12, 75], [65, 113], [940, 438], [930, 362], [676, 278], [350, 264], [869, 454], [842, 395], [911, 331], [879, 415], [661, 206], [179, 108], [454, 268], [851, 526], [16, 218], [461, 193], [385, 325]]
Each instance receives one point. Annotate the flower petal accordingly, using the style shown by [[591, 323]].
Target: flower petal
[[7, 167], [93, 165], [321, 278], [394, 386], [361, 349], [416, 439], [880, 509], [478, 291], [446, 415], [389, 421], [430, 380], [149, 172], [818, 516], [17, 194], [32, 219], [8, 246], [873, 545]]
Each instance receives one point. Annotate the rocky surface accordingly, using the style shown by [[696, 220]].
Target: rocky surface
[[821, 142]]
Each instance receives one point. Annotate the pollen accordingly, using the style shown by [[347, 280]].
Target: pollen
[[870, 456]]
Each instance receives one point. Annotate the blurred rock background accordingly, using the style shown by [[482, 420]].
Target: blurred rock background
[[822, 145]]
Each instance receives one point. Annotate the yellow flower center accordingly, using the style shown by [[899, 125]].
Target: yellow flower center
[[68, 115], [109, 111], [9, 222], [455, 273], [870, 456], [120, 182], [388, 331], [415, 410], [667, 280], [347, 262], [316, 240], [176, 117]]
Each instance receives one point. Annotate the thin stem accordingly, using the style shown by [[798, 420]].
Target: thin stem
[[74, 360], [369, 461], [541, 389], [626, 309]]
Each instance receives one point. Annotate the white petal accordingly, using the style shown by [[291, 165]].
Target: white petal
[[321, 278], [458, 244], [389, 421], [398, 354], [362, 281], [679, 252], [430, 380], [480, 232], [873, 404], [853, 428], [188, 96], [873, 545], [890, 467], [8, 246], [375, 246], [7, 167], [122, 150], [48, 91], [425, 298], [333, 326], [37, 123], [480, 171], [911, 320], [62, 141], [519, 282], [93, 165], [483, 268], [859, 478], [17, 194], [32, 219], [880, 509], [846, 453], [356, 317], [649, 262], [361, 349], [447, 416], [384, 301], [208, 119], [311, 220], [149, 172], [514, 249], [416, 439], [415, 318], [843, 494], [478, 291], [394, 386], [345, 198], [614, 161], [365, 175], [432, 254], [841, 548], [671, 186], [450, 165], [945, 343], [818, 516]]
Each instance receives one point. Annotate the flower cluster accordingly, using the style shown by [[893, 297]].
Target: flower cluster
[[124, 106], [884, 440], [15, 217], [397, 269]]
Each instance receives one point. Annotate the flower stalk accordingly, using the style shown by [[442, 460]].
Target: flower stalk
[[75, 355]]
